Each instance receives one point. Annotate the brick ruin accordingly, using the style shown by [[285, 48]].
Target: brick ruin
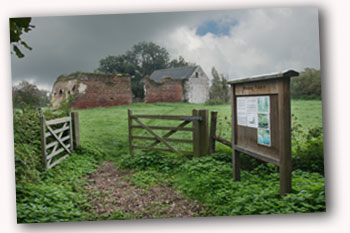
[[169, 90], [91, 90]]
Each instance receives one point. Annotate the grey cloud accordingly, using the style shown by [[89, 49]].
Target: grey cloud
[[70, 43]]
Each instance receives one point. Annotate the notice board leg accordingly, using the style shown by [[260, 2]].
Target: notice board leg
[[236, 165], [285, 180]]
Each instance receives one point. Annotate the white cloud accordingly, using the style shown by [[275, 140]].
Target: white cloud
[[263, 41]]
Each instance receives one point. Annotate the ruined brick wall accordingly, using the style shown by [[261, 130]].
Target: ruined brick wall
[[90, 90], [168, 90]]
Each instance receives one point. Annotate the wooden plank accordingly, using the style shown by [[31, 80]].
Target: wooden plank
[[154, 134], [71, 132], [59, 140], [284, 136], [58, 161], [259, 88], [58, 121], [171, 132], [167, 139], [160, 149], [164, 128], [56, 146], [76, 129], [130, 127], [223, 141], [43, 141], [54, 143], [161, 117], [57, 131], [53, 154], [257, 155], [196, 132], [204, 132], [212, 134], [236, 163]]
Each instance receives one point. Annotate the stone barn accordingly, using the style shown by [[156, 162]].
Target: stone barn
[[91, 90], [189, 84]]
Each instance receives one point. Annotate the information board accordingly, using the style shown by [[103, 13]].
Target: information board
[[261, 122]]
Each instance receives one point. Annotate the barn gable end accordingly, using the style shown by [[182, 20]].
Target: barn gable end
[[189, 84], [91, 90]]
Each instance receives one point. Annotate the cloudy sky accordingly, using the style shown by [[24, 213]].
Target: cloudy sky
[[238, 43]]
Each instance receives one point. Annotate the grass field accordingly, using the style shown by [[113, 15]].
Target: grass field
[[108, 127], [102, 181]]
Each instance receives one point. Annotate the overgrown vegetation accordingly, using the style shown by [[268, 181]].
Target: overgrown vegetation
[[209, 179], [307, 85], [60, 194]]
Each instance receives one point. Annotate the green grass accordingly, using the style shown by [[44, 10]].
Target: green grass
[[107, 128], [60, 194], [308, 112]]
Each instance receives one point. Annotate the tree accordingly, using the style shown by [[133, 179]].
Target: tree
[[219, 92], [148, 57], [140, 61], [116, 64], [27, 95], [307, 85], [180, 62], [17, 27]]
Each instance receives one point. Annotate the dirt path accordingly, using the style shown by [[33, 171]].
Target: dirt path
[[109, 190]]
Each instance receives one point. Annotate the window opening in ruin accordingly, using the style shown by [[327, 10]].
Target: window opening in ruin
[[61, 92], [196, 74], [73, 89], [68, 92]]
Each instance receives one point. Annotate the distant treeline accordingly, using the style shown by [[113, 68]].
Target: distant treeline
[[307, 85]]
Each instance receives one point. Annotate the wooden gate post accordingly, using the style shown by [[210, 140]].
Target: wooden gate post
[[43, 141], [76, 130], [131, 149], [212, 135], [204, 133], [196, 141]]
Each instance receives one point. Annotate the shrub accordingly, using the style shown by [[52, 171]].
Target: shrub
[[307, 150], [26, 129], [60, 194], [211, 182]]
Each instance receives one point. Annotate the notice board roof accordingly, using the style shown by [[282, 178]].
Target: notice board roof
[[283, 74]]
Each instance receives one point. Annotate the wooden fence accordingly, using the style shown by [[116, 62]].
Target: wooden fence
[[213, 138], [199, 129], [58, 138]]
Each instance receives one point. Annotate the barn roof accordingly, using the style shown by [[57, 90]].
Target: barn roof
[[180, 73]]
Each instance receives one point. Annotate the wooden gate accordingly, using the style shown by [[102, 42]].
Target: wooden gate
[[199, 129], [57, 139]]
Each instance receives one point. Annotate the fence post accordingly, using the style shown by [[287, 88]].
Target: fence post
[[212, 134], [204, 132], [43, 141], [130, 132], [196, 139], [76, 130]]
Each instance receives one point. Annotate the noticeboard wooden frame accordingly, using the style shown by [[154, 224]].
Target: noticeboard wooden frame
[[244, 139]]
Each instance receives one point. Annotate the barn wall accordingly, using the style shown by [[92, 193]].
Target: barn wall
[[197, 88], [167, 91], [91, 91]]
